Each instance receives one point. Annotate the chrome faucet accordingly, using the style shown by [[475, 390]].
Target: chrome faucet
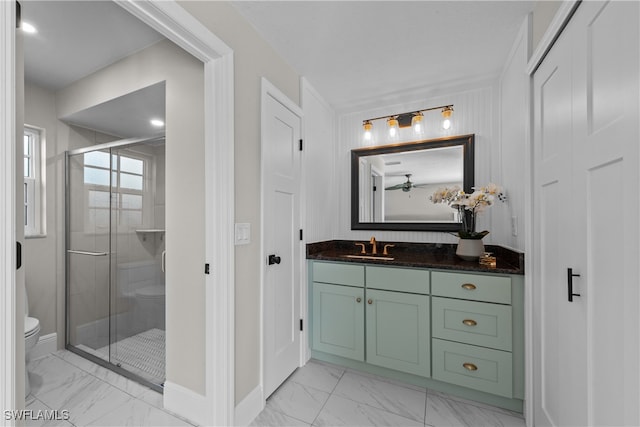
[[374, 249]]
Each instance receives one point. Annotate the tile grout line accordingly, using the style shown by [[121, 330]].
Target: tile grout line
[[330, 394]]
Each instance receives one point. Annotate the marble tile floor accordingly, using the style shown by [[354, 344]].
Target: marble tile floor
[[92, 395], [320, 394]]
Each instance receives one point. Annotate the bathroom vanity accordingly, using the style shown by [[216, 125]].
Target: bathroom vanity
[[421, 315]]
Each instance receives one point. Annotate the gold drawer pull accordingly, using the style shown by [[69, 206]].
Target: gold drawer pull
[[469, 286], [358, 299], [469, 322], [469, 366], [370, 301]]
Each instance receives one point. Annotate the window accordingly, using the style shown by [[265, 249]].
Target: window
[[127, 181], [34, 206]]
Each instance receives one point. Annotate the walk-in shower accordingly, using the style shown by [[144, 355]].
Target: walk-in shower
[[115, 248]]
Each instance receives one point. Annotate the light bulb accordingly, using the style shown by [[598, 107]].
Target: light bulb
[[417, 124], [394, 129], [368, 127], [28, 28], [446, 117]]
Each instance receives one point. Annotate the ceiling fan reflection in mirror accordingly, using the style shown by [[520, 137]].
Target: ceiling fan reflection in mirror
[[405, 186]]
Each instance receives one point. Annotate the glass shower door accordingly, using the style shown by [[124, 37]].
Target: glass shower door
[[89, 251], [115, 248], [137, 240]]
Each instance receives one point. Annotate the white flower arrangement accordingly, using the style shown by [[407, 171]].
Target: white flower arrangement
[[469, 205]]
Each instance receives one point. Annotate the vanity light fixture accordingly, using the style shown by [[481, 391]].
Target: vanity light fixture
[[446, 117], [394, 128], [415, 119], [157, 122], [368, 126], [417, 123]]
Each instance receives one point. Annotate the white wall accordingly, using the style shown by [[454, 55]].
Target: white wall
[[476, 112], [514, 135], [319, 168], [43, 273]]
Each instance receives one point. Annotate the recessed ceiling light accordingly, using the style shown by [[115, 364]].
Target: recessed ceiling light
[[157, 122], [28, 28]]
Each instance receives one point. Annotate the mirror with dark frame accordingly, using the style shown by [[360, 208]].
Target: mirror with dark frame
[[391, 184]]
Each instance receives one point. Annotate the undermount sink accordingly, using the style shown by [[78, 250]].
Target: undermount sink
[[370, 257]]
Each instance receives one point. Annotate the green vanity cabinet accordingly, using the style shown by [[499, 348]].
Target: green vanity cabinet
[[385, 309], [473, 332], [338, 309], [398, 331], [456, 331], [338, 320]]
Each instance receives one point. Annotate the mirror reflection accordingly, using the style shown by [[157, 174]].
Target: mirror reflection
[[394, 183]]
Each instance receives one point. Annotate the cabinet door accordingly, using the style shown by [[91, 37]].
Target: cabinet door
[[338, 320], [398, 331]]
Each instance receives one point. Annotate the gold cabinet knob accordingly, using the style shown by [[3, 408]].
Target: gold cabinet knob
[[358, 299], [370, 301], [469, 366], [469, 286], [469, 322]]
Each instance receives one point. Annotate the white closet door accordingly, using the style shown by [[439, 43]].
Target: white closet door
[[560, 342], [606, 139], [586, 101]]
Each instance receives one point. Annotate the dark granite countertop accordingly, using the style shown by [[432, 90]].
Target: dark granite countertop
[[421, 255]]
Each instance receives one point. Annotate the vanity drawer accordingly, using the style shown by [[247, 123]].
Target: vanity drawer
[[472, 286], [338, 273], [474, 367], [398, 279], [471, 322]]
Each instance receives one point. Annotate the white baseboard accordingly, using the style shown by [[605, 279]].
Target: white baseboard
[[186, 403], [46, 344], [250, 407]]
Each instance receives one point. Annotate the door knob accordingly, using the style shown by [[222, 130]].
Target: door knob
[[274, 259]]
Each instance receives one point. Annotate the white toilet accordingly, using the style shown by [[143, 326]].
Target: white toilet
[[31, 335]]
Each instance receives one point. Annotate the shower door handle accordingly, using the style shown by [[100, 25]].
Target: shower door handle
[[163, 260], [90, 253]]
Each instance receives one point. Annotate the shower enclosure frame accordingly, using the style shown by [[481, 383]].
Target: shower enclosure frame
[[123, 143]]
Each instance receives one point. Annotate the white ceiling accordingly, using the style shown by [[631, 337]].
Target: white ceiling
[[77, 38], [351, 51], [128, 116], [355, 51]]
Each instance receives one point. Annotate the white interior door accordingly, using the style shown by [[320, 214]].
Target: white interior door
[[586, 132], [281, 203], [559, 344]]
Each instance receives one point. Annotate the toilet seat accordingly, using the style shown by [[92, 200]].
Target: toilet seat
[[31, 326]]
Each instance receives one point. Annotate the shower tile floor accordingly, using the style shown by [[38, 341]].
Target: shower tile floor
[[317, 394], [142, 354]]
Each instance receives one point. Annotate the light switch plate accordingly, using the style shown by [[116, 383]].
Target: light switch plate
[[243, 233]]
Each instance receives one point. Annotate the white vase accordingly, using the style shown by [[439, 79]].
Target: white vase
[[470, 249]]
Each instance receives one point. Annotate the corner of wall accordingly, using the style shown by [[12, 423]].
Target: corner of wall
[[249, 408]]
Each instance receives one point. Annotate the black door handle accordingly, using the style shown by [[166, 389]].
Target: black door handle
[[570, 277], [274, 259]]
